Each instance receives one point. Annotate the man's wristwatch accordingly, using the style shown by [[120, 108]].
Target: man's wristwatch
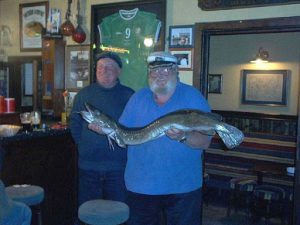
[[183, 139]]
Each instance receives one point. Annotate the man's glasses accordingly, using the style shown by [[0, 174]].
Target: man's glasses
[[161, 70]]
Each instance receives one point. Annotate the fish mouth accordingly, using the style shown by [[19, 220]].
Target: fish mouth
[[88, 115], [89, 107]]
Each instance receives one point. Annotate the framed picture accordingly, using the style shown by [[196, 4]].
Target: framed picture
[[184, 58], [181, 36], [264, 87], [32, 24], [215, 83], [146, 30], [77, 69]]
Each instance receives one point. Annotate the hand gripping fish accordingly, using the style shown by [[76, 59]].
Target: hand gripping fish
[[186, 120]]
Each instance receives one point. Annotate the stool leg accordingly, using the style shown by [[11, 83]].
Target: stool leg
[[38, 212], [267, 216], [229, 204], [231, 201]]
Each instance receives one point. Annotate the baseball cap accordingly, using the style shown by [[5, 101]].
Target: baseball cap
[[110, 55], [161, 58]]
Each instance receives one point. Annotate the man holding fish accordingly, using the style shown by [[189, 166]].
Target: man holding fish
[[164, 174]]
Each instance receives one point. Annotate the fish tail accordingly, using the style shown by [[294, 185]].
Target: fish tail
[[230, 135]]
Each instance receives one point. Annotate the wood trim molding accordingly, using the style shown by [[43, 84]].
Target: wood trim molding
[[229, 4]]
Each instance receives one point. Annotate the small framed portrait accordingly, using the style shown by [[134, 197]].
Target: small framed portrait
[[265, 87], [181, 36], [33, 18], [215, 83], [77, 69], [184, 58]]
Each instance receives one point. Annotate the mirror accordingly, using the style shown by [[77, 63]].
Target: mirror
[[229, 55], [205, 33], [25, 78]]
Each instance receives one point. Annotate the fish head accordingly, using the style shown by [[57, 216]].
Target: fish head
[[97, 116], [93, 112], [87, 116]]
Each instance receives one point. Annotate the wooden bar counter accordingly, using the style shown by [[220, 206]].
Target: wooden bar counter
[[48, 159]]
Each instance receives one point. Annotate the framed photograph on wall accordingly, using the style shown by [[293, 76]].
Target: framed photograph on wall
[[215, 83], [181, 36], [184, 58], [265, 87], [33, 18], [77, 66]]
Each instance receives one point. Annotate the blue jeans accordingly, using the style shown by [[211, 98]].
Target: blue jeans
[[179, 209], [101, 185]]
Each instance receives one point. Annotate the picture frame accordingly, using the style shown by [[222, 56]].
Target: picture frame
[[215, 83], [77, 67], [99, 14], [265, 87], [33, 17], [181, 36], [184, 57]]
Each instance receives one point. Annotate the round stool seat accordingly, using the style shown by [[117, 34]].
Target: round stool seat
[[28, 194], [103, 212], [269, 192]]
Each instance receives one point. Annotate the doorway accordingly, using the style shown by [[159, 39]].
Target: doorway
[[204, 32], [25, 82]]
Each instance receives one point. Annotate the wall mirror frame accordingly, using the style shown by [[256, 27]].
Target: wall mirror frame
[[203, 32]]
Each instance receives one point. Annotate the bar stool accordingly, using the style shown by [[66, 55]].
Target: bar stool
[[266, 197], [241, 188], [103, 212], [30, 195], [12, 212]]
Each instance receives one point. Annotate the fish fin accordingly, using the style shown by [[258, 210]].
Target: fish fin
[[230, 135], [118, 140], [111, 145]]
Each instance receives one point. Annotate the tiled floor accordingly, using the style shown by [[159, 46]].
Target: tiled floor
[[215, 212], [216, 215]]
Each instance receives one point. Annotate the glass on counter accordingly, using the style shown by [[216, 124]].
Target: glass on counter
[[26, 121], [35, 119]]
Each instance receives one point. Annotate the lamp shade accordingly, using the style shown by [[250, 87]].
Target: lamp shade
[[261, 57]]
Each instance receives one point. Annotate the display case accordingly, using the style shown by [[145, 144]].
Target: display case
[[53, 58]]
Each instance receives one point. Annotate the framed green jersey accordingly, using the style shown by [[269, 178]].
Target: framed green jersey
[[133, 31]]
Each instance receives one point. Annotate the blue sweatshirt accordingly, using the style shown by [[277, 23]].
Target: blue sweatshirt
[[162, 166], [94, 152]]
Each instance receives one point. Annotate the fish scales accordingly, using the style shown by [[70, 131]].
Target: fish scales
[[186, 120]]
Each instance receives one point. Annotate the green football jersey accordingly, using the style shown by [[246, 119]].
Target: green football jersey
[[125, 32]]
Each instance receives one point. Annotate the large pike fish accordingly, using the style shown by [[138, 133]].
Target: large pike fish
[[186, 120]]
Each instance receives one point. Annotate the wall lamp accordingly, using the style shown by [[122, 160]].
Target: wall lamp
[[261, 57]]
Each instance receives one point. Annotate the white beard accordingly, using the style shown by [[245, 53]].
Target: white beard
[[167, 89]]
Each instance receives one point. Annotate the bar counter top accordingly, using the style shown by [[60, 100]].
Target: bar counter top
[[47, 159], [21, 135]]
